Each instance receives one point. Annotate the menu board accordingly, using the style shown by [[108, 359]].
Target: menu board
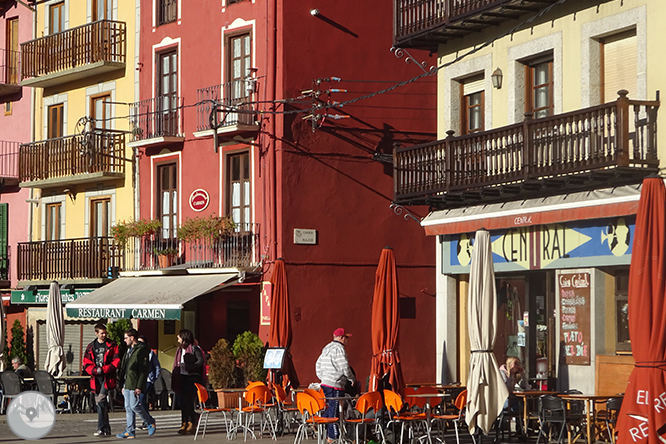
[[574, 296]]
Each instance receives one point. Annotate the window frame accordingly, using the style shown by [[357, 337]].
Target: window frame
[[105, 97], [55, 126], [245, 161], [170, 232], [108, 10], [94, 216], [167, 11], [60, 7], [11, 59], [243, 57], [465, 109], [167, 101], [531, 88], [621, 296], [50, 234]]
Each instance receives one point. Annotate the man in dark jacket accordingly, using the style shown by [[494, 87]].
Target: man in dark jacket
[[101, 361], [133, 375]]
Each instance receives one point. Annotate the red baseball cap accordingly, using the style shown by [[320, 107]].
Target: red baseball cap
[[341, 332]]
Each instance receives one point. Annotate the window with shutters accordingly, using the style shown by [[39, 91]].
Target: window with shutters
[[472, 101], [4, 241], [619, 65], [167, 11], [167, 199]]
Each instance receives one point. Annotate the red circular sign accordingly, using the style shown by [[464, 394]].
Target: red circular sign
[[199, 200]]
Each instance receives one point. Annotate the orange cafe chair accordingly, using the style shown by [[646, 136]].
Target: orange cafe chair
[[318, 396], [286, 406], [395, 406], [367, 402], [202, 395], [309, 407], [258, 398], [460, 402]]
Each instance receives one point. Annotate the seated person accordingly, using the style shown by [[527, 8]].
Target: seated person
[[20, 368], [513, 374]]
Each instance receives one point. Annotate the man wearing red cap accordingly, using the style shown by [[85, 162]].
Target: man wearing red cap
[[334, 372]]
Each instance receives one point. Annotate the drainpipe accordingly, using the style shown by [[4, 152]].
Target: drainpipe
[[272, 90], [33, 130]]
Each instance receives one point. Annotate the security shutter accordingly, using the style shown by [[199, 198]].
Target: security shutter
[[620, 65], [77, 337], [473, 85]]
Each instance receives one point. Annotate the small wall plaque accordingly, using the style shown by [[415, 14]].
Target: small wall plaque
[[305, 236]]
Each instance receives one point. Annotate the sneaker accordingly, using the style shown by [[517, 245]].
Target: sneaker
[[102, 433], [143, 427], [125, 435], [151, 429]]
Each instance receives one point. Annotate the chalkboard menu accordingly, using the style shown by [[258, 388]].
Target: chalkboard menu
[[574, 295]]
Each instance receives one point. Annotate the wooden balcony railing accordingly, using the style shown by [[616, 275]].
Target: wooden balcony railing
[[614, 144], [100, 41], [10, 65], [83, 258], [100, 151], [239, 249], [235, 95], [158, 117], [414, 18], [9, 153]]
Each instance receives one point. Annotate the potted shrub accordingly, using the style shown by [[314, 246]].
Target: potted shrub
[[122, 231], [206, 228], [222, 365], [249, 352], [165, 256]]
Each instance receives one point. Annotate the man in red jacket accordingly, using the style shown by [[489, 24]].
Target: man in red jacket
[[101, 361]]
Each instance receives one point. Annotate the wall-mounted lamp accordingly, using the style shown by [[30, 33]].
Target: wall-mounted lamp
[[70, 193], [314, 12], [496, 77]]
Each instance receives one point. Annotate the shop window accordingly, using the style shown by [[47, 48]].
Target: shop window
[[623, 343]]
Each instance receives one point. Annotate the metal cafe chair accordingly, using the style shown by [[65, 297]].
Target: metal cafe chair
[[552, 413], [47, 385], [202, 396], [11, 387]]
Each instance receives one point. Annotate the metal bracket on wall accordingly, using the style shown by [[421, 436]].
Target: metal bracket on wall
[[399, 210], [400, 52]]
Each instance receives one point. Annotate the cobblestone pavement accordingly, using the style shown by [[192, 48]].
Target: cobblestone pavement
[[79, 428]]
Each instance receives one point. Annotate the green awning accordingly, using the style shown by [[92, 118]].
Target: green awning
[[147, 297]]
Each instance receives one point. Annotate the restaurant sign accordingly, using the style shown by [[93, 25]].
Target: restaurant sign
[[574, 296], [41, 297], [157, 312]]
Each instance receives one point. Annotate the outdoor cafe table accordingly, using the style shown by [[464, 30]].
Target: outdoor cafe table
[[239, 424], [590, 401], [527, 396], [427, 397], [341, 417]]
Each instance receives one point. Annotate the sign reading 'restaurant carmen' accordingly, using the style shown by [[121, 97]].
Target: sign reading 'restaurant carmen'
[[119, 313]]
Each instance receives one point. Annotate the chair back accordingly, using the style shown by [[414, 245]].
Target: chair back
[[159, 384], [258, 395], [461, 400], [552, 409], [281, 395], [421, 402], [614, 404], [307, 405], [369, 401], [319, 397], [202, 394], [45, 382], [11, 382], [166, 377], [254, 384], [393, 401]]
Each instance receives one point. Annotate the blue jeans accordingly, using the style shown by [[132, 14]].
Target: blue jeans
[[102, 412], [143, 397], [132, 408], [332, 409]]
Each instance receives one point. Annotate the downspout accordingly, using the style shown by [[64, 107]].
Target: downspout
[[33, 130], [272, 74], [137, 91]]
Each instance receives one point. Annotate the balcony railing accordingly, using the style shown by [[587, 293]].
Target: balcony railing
[[424, 23], [614, 144], [235, 96], [9, 154], [100, 151], [237, 250], [100, 41], [83, 258], [158, 117], [10, 67]]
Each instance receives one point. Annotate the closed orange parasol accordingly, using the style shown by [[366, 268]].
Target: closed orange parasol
[[280, 332], [386, 325], [643, 414]]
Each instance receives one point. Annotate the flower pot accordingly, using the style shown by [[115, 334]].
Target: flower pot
[[228, 399], [166, 260]]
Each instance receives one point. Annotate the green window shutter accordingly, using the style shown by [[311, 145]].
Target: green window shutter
[[4, 241]]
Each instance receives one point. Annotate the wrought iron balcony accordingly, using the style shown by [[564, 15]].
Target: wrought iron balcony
[[67, 259], [10, 74], [88, 50], [239, 249], [96, 156], [237, 113], [426, 23], [610, 144], [9, 154], [157, 121]]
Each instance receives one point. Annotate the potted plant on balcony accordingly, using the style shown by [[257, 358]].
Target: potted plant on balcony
[[123, 230], [205, 228], [221, 373], [165, 256]]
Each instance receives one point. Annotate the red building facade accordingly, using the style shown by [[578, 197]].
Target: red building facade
[[287, 160]]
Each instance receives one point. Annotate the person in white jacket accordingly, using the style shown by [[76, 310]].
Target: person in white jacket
[[333, 370]]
